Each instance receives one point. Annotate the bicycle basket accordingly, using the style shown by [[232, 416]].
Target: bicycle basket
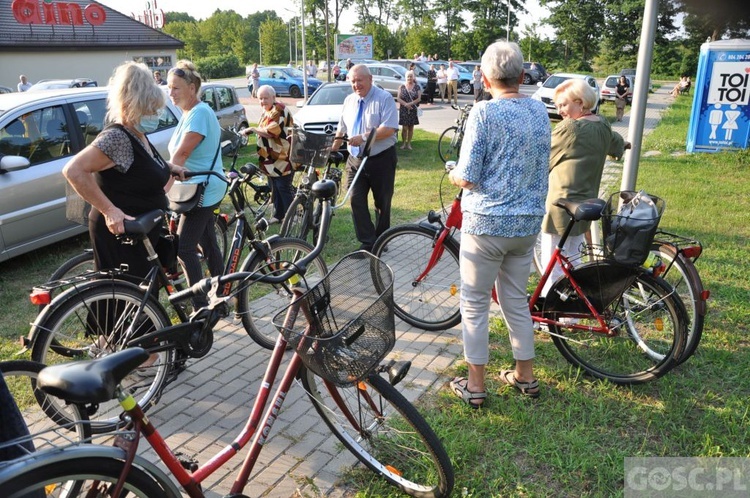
[[309, 148], [350, 324], [629, 226], [76, 208]]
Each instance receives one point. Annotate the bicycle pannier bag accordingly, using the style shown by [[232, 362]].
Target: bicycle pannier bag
[[184, 197], [629, 231]]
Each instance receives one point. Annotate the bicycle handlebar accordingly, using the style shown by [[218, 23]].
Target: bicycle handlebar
[[324, 190]]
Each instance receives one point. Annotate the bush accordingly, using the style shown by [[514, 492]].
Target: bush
[[219, 66]]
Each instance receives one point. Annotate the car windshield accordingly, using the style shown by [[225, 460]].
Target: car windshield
[[330, 95], [294, 73], [554, 80]]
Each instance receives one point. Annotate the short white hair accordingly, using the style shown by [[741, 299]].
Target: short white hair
[[502, 61], [268, 89]]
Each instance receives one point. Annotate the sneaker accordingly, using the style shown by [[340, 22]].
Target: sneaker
[[274, 220]]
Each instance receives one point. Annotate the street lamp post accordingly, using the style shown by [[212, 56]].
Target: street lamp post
[[304, 49], [289, 29], [507, 25]]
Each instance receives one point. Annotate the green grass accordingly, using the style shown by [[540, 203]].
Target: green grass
[[572, 441]]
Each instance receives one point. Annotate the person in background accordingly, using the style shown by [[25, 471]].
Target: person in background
[[409, 96], [312, 69], [476, 82], [431, 84], [336, 72], [255, 79], [621, 94], [580, 145], [369, 108], [442, 81], [159, 80], [24, 83], [274, 149], [195, 146], [349, 64], [502, 170], [452, 74], [120, 174]]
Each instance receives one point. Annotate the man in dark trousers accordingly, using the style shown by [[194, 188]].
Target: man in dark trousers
[[369, 108]]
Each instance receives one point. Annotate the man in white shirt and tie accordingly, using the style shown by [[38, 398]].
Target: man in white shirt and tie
[[369, 108]]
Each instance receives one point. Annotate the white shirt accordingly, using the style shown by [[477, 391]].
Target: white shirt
[[452, 73], [22, 87]]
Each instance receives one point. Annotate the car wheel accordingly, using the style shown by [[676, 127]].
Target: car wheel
[[526, 79], [466, 87], [295, 92]]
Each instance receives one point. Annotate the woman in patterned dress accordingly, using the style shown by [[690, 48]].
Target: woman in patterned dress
[[502, 170], [409, 95]]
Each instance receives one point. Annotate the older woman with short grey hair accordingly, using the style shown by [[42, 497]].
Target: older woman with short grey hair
[[503, 171]]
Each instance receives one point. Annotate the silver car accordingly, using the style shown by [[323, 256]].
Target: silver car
[[390, 77], [48, 128], [223, 100]]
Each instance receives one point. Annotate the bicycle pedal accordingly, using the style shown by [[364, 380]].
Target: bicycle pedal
[[187, 462]]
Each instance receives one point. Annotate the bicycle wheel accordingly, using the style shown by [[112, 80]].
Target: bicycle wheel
[[78, 264], [385, 432], [39, 410], [647, 321], [682, 275], [79, 476], [258, 302], [220, 227], [434, 302], [90, 321], [296, 222], [449, 144]]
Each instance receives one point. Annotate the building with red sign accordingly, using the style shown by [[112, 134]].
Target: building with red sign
[[45, 39]]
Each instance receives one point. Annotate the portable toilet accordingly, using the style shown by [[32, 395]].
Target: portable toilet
[[720, 117]]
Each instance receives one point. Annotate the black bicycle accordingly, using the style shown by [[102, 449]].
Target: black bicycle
[[449, 143]]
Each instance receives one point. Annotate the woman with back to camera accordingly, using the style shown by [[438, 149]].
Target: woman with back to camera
[[121, 174], [195, 146], [580, 145], [502, 170], [409, 96]]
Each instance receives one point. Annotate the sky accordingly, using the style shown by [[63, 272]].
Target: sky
[[286, 9]]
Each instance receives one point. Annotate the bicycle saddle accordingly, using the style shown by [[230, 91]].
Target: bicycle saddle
[[588, 210], [91, 381], [144, 223], [336, 157], [324, 189]]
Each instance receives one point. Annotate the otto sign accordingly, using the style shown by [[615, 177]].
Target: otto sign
[[59, 13]]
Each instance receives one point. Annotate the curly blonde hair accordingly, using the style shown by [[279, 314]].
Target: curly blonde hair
[[133, 93]]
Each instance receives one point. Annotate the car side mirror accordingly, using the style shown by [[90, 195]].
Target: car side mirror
[[9, 164], [300, 104], [398, 76], [539, 84]]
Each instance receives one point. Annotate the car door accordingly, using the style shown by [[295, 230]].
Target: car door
[[32, 200], [390, 80], [230, 111]]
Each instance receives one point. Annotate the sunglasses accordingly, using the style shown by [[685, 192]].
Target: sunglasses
[[178, 71]]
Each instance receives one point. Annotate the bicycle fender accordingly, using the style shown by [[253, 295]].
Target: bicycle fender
[[41, 317], [602, 282], [251, 253], [428, 225], [42, 458]]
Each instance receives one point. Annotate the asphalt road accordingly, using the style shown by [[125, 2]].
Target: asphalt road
[[436, 117]]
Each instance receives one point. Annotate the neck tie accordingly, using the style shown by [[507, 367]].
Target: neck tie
[[358, 128]]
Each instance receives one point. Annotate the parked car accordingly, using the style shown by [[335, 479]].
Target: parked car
[[5, 89], [631, 73], [322, 111], [608, 90], [464, 75], [58, 84], [223, 100], [390, 77], [47, 129], [546, 91], [534, 72], [287, 80]]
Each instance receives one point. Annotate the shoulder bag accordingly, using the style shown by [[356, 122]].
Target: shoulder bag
[[184, 197]]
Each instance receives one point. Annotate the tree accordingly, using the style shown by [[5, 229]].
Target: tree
[[579, 24], [273, 40], [178, 17]]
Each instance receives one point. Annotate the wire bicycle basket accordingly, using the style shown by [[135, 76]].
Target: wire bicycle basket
[[350, 325], [629, 223], [310, 148]]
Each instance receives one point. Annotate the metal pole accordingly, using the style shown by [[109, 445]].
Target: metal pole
[[507, 26], [289, 29], [640, 95], [328, 43], [304, 49]]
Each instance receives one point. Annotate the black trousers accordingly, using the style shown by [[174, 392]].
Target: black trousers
[[431, 85], [378, 177]]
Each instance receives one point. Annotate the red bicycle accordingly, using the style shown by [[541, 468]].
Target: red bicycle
[[617, 322]]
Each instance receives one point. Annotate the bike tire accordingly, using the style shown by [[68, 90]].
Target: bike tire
[[449, 144], [220, 227], [64, 332], [385, 432], [649, 320], [79, 476], [258, 302], [683, 276], [296, 222], [41, 416], [434, 303]]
